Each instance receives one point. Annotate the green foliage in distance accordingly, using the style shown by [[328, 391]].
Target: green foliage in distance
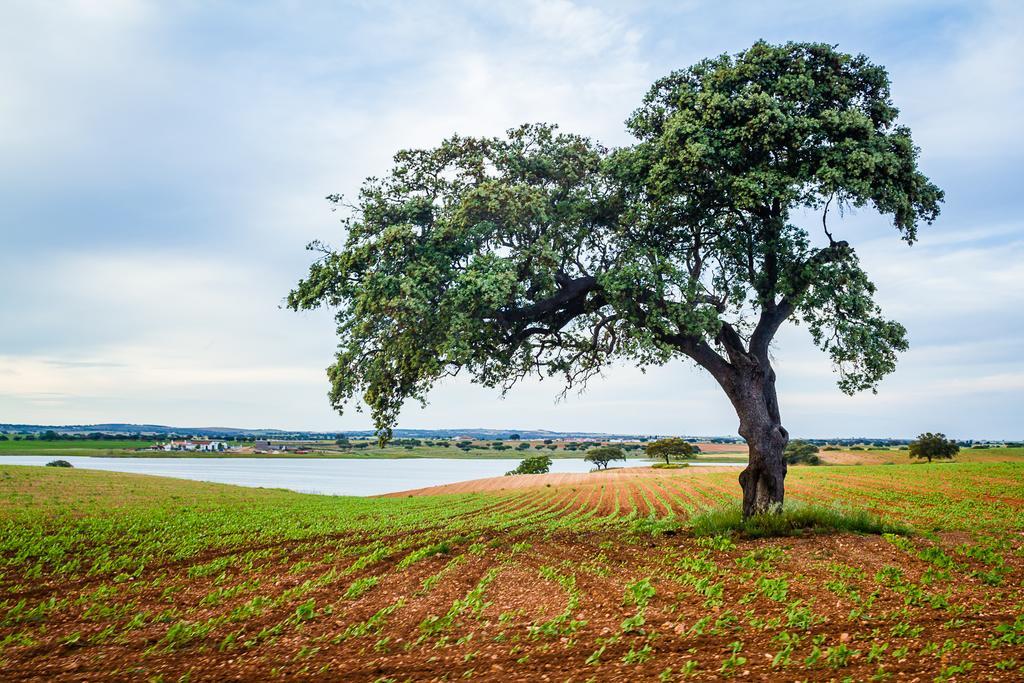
[[535, 464], [801, 453], [603, 455], [933, 446], [672, 448]]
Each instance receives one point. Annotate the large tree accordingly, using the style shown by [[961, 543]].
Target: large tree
[[544, 253]]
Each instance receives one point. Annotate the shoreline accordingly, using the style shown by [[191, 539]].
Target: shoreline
[[725, 458]]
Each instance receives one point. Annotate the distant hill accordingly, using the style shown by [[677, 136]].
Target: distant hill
[[479, 433], [473, 432]]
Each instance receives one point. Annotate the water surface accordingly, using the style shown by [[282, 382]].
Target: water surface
[[347, 477]]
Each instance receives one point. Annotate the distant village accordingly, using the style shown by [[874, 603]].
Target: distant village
[[213, 446]]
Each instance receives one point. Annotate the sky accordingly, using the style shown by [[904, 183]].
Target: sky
[[162, 166]]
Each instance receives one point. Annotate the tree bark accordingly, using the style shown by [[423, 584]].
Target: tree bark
[[749, 381], [764, 479]]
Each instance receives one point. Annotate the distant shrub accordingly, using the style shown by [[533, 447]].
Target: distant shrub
[[59, 463], [801, 453], [856, 448], [795, 519], [535, 464], [830, 448]]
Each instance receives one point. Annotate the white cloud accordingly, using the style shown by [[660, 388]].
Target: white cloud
[[968, 105], [187, 149]]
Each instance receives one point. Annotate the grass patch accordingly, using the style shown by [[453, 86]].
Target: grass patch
[[794, 520], [669, 466]]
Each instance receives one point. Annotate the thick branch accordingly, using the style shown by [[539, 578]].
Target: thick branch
[[571, 291], [730, 339], [705, 356], [774, 314]]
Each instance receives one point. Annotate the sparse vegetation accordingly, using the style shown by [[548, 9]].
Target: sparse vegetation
[[155, 575], [534, 464]]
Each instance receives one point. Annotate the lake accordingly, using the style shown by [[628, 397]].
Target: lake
[[345, 477]]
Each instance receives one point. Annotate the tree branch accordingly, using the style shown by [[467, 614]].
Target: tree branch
[[773, 314], [571, 291], [730, 339], [705, 356]]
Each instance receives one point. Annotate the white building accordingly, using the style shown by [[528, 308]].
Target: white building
[[203, 445]]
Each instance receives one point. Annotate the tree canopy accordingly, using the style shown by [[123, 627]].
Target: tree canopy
[[671, 448], [545, 253], [601, 456]]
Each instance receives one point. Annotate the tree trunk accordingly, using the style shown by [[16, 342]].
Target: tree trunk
[[763, 480]]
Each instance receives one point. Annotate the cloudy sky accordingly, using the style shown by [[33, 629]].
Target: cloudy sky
[[162, 166]]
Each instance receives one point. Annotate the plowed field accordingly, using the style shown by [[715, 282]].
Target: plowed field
[[109, 576]]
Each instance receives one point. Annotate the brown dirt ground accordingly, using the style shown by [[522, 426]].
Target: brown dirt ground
[[495, 643], [699, 613]]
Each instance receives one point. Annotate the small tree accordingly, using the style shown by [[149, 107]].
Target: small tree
[[801, 453], [930, 446], [603, 455], [670, 448], [535, 464]]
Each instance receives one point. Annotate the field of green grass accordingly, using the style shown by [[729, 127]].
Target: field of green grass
[[116, 576], [83, 447], [324, 449]]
